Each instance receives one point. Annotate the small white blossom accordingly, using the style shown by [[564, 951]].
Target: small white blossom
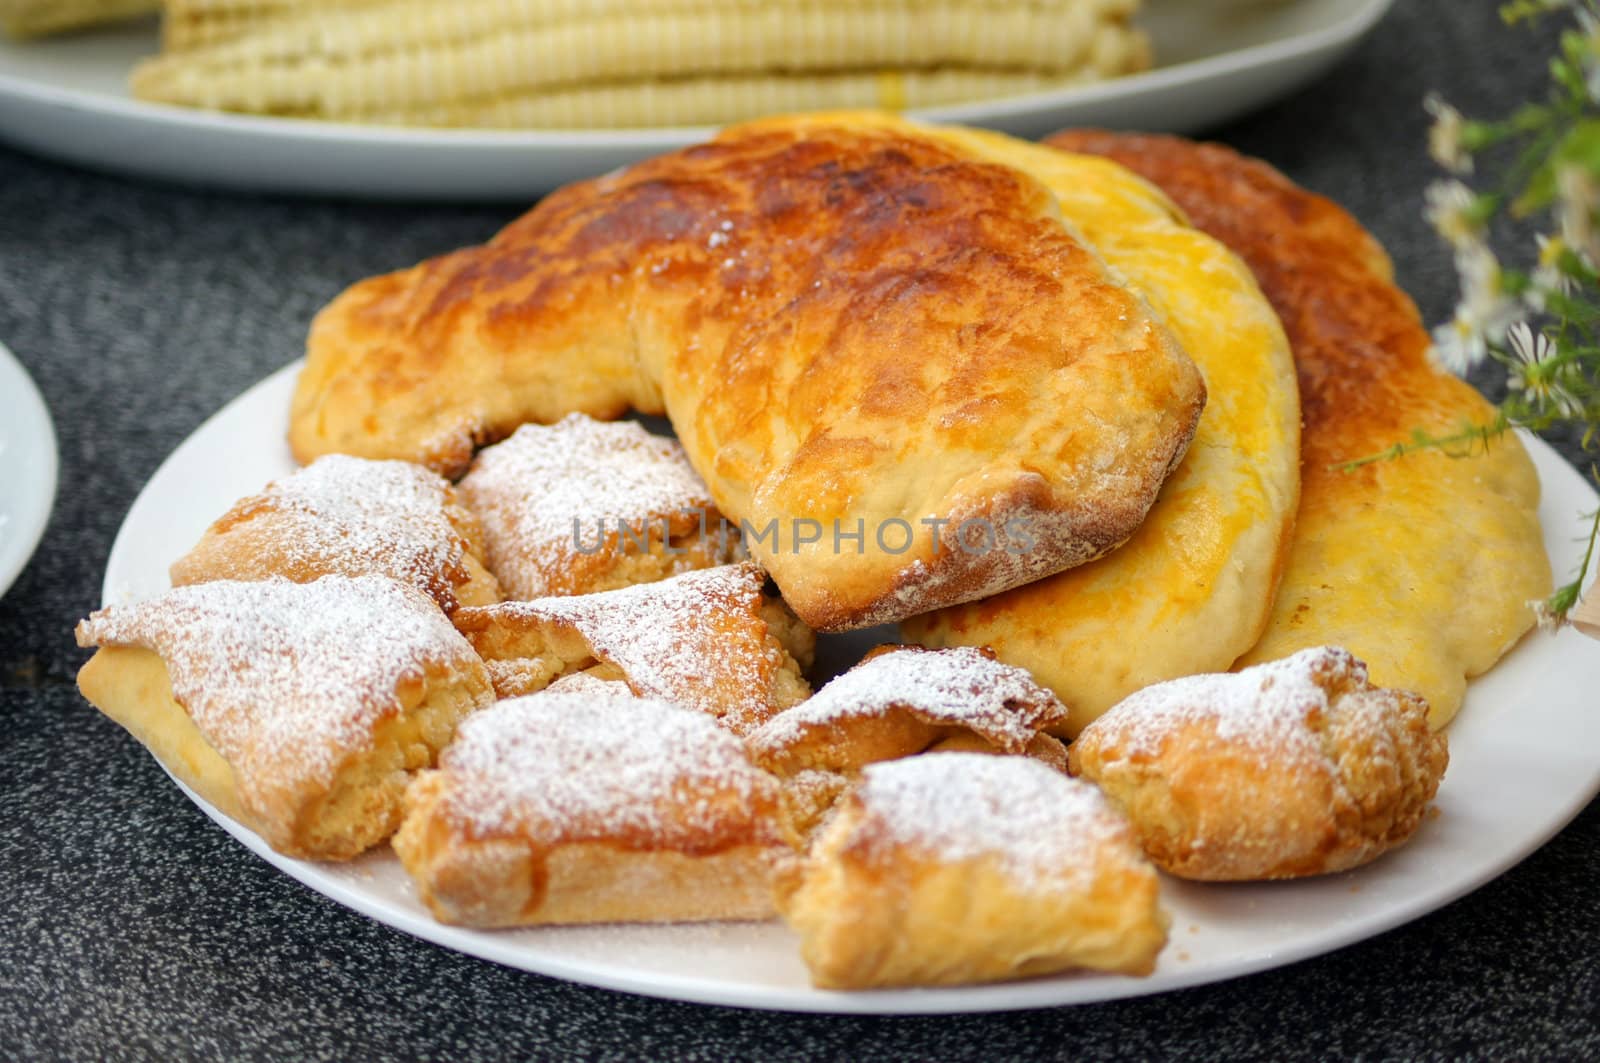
[[1548, 277], [1548, 621], [1444, 138], [1482, 317], [1448, 208], [1546, 382]]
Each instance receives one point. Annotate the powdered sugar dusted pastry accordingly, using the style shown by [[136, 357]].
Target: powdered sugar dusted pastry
[[350, 517], [583, 808], [300, 710], [1295, 767], [944, 870], [709, 639], [583, 506], [898, 702]]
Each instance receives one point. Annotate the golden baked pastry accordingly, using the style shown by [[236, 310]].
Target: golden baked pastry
[[898, 702], [349, 517], [1290, 768], [710, 639], [1381, 554], [583, 506], [945, 870], [856, 326], [586, 808], [299, 709], [1192, 589]]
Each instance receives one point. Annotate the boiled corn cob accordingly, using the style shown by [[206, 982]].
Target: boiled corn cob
[[719, 100], [196, 23], [35, 18]]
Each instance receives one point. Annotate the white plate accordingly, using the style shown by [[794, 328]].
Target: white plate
[[1524, 759], [67, 97], [28, 465]]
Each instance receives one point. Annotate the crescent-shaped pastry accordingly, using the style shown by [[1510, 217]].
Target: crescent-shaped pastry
[[349, 517], [1422, 566], [299, 709], [1291, 768], [582, 506], [895, 364], [961, 868], [1192, 589], [710, 639], [589, 808]]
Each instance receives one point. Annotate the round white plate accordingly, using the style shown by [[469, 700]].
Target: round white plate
[[67, 97], [28, 464], [1524, 759]]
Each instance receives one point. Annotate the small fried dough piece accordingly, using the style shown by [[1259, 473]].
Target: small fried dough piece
[[583, 506], [1292, 768], [709, 639], [349, 517], [591, 808], [300, 710], [964, 868]]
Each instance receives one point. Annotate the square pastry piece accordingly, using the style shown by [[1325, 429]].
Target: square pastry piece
[[582, 506], [350, 517], [898, 702], [710, 640], [962, 868], [300, 710], [588, 808]]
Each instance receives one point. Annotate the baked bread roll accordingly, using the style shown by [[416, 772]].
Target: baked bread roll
[[867, 338], [710, 639], [1192, 589], [946, 870], [583, 506], [1381, 554], [1296, 767], [898, 702], [584, 808], [349, 517], [299, 710]]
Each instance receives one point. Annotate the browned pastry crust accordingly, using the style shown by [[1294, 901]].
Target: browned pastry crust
[[709, 639], [591, 807], [349, 517], [1364, 572], [1291, 768], [299, 710], [945, 870], [847, 320]]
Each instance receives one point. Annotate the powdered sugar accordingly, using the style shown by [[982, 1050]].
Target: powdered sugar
[[355, 517], [550, 489], [286, 679], [962, 687], [1042, 826], [1270, 707], [564, 767]]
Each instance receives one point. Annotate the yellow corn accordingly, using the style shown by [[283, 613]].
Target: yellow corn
[[196, 23], [35, 18], [719, 100]]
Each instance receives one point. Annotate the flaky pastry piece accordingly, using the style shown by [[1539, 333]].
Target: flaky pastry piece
[[1292, 768], [709, 639], [1381, 553], [898, 702], [944, 870], [298, 709], [350, 517], [582, 506], [855, 327], [591, 808]]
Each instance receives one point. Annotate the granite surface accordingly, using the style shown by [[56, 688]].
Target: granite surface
[[132, 927]]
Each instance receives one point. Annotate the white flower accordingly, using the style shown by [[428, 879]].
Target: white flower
[[1482, 317], [1444, 138], [1547, 620], [1534, 373], [1448, 208], [1548, 276]]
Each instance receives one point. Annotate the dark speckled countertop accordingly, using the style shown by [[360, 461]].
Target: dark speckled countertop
[[132, 927]]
